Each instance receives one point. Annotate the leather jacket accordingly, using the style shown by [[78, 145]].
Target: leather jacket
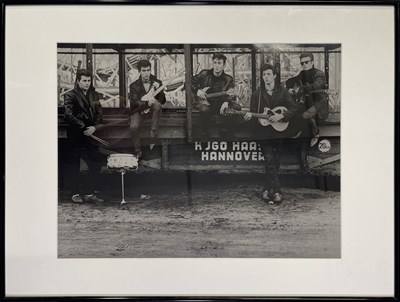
[[82, 111], [316, 103], [137, 91]]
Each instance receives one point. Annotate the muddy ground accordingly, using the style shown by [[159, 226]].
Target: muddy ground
[[201, 218]]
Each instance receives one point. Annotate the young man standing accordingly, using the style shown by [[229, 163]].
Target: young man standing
[[84, 115], [309, 85], [143, 104], [271, 95], [211, 81]]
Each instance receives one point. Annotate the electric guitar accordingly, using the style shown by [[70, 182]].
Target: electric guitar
[[151, 94], [230, 92], [263, 117]]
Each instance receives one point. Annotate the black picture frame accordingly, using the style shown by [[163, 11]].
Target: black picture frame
[[393, 4]]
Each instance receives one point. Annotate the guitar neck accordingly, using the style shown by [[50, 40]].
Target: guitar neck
[[300, 85], [323, 90], [159, 89], [328, 91], [215, 94], [258, 115]]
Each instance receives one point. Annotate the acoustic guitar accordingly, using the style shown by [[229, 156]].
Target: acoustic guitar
[[300, 95]]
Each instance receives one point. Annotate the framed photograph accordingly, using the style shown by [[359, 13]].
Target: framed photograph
[[189, 151]]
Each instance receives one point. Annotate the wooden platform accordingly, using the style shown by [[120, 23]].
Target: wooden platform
[[174, 152]]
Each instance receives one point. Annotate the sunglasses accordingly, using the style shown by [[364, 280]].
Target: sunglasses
[[305, 62]]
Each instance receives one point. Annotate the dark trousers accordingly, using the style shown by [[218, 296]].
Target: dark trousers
[[312, 119], [87, 181], [137, 119], [312, 124], [271, 151], [205, 116], [206, 113]]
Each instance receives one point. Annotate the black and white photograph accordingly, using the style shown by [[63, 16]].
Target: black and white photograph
[[199, 150]]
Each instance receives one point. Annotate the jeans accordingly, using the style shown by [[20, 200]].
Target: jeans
[[311, 116], [207, 112], [137, 119], [271, 151]]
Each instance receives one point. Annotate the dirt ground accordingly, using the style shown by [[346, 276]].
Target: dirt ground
[[211, 220]]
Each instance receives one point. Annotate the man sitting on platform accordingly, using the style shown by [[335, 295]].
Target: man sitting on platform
[[215, 81], [308, 89], [144, 104]]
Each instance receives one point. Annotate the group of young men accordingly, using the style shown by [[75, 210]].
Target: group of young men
[[214, 91]]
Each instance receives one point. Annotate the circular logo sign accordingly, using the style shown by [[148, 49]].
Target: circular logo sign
[[324, 145]]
